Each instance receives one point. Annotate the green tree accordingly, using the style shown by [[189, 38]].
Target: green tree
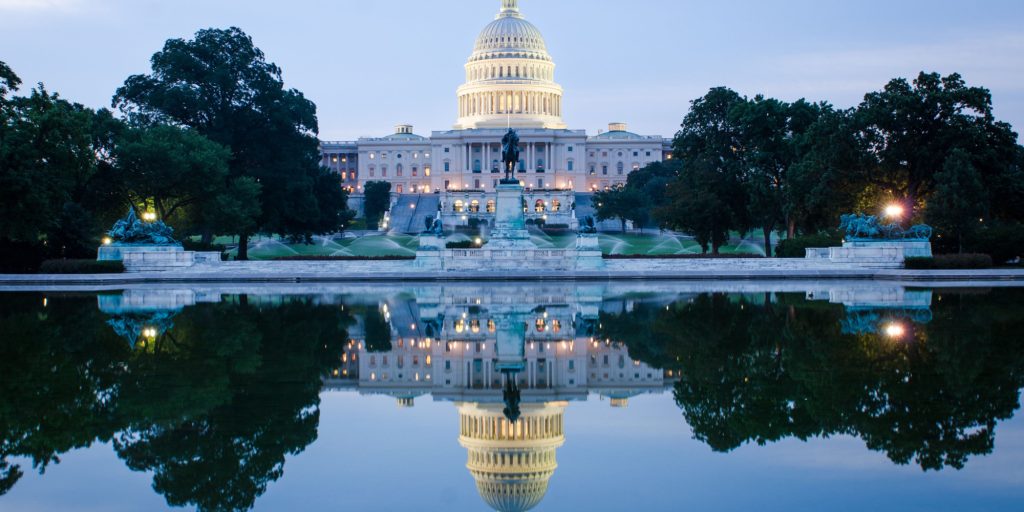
[[171, 169], [709, 150], [221, 85], [959, 200], [622, 203], [376, 202], [50, 155], [828, 175], [911, 128]]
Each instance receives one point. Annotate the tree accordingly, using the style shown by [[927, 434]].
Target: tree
[[221, 85], [50, 153], [911, 128], [172, 169], [959, 200], [708, 147], [622, 203], [828, 175], [766, 149], [376, 202]]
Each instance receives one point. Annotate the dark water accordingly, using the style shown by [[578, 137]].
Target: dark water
[[511, 397]]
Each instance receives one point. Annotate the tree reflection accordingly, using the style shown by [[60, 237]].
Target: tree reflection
[[762, 369], [212, 406]]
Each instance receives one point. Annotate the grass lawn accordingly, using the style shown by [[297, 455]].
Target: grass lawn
[[405, 245]]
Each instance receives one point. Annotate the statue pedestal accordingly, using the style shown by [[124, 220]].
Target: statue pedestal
[[118, 252], [509, 220]]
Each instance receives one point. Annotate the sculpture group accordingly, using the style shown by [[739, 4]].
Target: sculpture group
[[133, 231], [867, 228]]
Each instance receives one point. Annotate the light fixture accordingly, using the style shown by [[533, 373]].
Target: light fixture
[[894, 211]]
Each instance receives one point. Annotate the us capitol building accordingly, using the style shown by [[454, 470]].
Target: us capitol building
[[510, 81]]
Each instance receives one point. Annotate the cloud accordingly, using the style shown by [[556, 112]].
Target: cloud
[[39, 5]]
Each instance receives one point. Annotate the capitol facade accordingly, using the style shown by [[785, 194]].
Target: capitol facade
[[509, 82]]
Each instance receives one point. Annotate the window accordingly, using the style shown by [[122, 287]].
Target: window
[[373, 171], [604, 170], [570, 148], [619, 168], [572, 365], [476, 166], [539, 207], [570, 165], [459, 206], [448, 366], [540, 182], [636, 166], [415, 172], [398, 170], [447, 183], [384, 171], [426, 171], [491, 206], [399, 156], [592, 171], [477, 186], [540, 165], [636, 153], [447, 167], [447, 150], [399, 190], [556, 206], [648, 153], [495, 166]]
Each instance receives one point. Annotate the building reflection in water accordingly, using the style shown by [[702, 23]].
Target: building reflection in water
[[511, 368]]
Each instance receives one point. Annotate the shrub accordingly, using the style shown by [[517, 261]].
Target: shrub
[[797, 247], [464, 244], [950, 262], [1004, 242], [345, 258], [681, 256], [81, 267]]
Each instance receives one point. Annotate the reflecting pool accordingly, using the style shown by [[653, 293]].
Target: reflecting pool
[[555, 396]]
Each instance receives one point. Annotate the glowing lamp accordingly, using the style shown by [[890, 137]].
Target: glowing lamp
[[894, 211], [107, 240], [895, 331]]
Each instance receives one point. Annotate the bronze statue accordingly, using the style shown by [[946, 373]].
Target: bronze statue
[[510, 154]]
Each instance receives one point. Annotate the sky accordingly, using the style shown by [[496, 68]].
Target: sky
[[369, 65]]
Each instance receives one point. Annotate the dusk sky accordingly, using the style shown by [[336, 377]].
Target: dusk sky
[[369, 65]]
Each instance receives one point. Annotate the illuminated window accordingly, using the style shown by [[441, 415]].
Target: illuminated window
[[491, 206], [556, 205], [539, 206], [474, 205], [459, 206]]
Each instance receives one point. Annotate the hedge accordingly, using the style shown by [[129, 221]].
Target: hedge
[[797, 247], [344, 258], [682, 256], [465, 244], [81, 267], [950, 262]]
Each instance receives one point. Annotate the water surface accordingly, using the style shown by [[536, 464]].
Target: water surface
[[845, 396]]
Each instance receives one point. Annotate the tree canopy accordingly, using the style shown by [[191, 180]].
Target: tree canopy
[[221, 85]]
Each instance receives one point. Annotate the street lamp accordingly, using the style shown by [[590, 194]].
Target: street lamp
[[149, 217]]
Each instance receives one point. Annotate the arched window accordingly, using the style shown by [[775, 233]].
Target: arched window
[[384, 171], [491, 206], [398, 170], [540, 164], [399, 189], [373, 171], [495, 166], [459, 206], [539, 206], [474, 206], [415, 171], [556, 205], [570, 165]]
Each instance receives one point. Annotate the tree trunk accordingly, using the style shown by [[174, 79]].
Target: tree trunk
[[243, 247], [791, 229], [623, 220], [767, 242], [207, 237]]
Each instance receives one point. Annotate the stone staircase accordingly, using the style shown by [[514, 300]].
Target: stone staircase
[[410, 211]]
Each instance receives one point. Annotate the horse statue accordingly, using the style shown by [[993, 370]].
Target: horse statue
[[587, 227], [132, 231], [510, 153], [860, 226]]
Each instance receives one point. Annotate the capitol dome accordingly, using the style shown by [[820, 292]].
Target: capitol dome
[[510, 77], [512, 463]]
